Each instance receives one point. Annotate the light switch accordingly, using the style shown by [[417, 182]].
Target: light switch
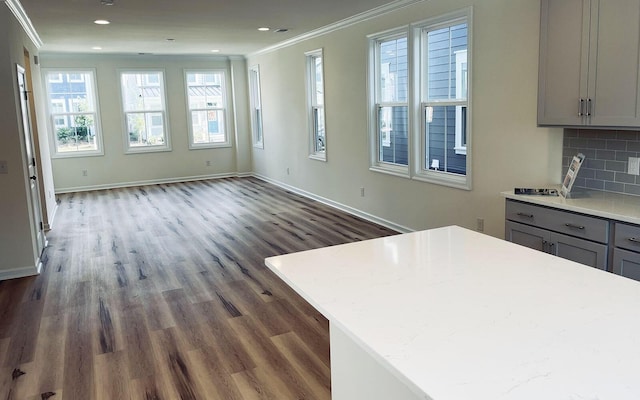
[[4, 167]]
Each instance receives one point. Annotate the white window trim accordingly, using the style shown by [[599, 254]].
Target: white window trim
[[255, 105], [460, 148], [312, 106], [374, 106], [419, 172], [417, 145], [96, 114], [224, 109], [145, 149]]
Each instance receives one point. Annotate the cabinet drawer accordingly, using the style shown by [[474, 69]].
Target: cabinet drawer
[[627, 236], [577, 225], [626, 263]]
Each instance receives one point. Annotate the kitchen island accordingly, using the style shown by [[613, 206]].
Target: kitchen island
[[452, 314]]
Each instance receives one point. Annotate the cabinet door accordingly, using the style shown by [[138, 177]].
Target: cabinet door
[[564, 57], [614, 83], [579, 250], [626, 263], [525, 235]]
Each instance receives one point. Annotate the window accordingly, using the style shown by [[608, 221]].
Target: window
[[420, 100], [73, 117], [256, 106], [144, 109], [315, 95], [390, 111], [206, 98], [444, 99]]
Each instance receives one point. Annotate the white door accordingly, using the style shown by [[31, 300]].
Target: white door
[[33, 189]]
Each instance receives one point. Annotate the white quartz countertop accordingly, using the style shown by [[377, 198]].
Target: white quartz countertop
[[459, 315], [602, 204]]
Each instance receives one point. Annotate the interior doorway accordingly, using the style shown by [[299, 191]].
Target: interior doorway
[[33, 192]]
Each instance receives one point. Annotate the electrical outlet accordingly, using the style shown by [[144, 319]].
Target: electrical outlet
[[4, 167], [480, 223], [634, 166], [85, 172], [361, 192], [208, 163], [288, 172]]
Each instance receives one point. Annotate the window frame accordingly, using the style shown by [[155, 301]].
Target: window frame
[[224, 109], [421, 172], [255, 106], [128, 149], [312, 104], [52, 116], [375, 105], [417, 81]]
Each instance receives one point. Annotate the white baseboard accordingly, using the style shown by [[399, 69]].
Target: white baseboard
[[147, 182], [21, 272], [339, 206], [49, 224]]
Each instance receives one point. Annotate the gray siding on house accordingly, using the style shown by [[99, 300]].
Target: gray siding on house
[[394, 53], [443, 44]]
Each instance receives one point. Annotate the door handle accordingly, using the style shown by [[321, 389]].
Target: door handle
[[33, 178], [521, 214]]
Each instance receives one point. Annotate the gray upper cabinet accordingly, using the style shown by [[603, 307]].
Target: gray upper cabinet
[[589, 63]]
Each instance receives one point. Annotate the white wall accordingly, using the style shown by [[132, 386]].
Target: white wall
[[509, 150], [18, 254], [116, 168]]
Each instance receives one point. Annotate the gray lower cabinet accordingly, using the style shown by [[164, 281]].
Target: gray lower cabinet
[[626, 263], [626, 253], [571, 248], [598, 242]]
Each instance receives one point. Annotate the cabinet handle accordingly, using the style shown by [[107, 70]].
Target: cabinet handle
[[574, 226], [580, 108], [588, 107], [634, 240], [551, 247], [521, 214], [544, 246]]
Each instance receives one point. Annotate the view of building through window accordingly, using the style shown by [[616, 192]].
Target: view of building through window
[[315, 91], [72, 108], [144, 108], [446, 100], [206, 99]]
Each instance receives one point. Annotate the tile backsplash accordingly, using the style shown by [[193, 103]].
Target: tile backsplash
[[607, 154]]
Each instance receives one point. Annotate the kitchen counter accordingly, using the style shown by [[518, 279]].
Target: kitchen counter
[[452, 314], [602, 204]]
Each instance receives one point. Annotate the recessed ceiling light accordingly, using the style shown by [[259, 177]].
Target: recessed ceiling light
[[97, 48], [263, 29], [101, 22], [170, 40], [215, 51], [106, 2]]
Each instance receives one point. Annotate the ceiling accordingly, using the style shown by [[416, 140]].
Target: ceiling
[[196, 26]]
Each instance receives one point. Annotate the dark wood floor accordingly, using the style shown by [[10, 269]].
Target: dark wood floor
[[160, 292]]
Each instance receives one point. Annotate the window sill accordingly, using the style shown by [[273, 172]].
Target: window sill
[[318, 157], [395, 171], [209, 146], [78, 154], [150, 149], [444, 179]]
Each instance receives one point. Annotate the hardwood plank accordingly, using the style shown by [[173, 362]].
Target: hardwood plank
[[161, 292], [111, 376], [316, 373], [268, 357]]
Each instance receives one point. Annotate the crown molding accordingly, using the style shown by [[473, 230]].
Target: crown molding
[[25, 22], [373, 13]]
